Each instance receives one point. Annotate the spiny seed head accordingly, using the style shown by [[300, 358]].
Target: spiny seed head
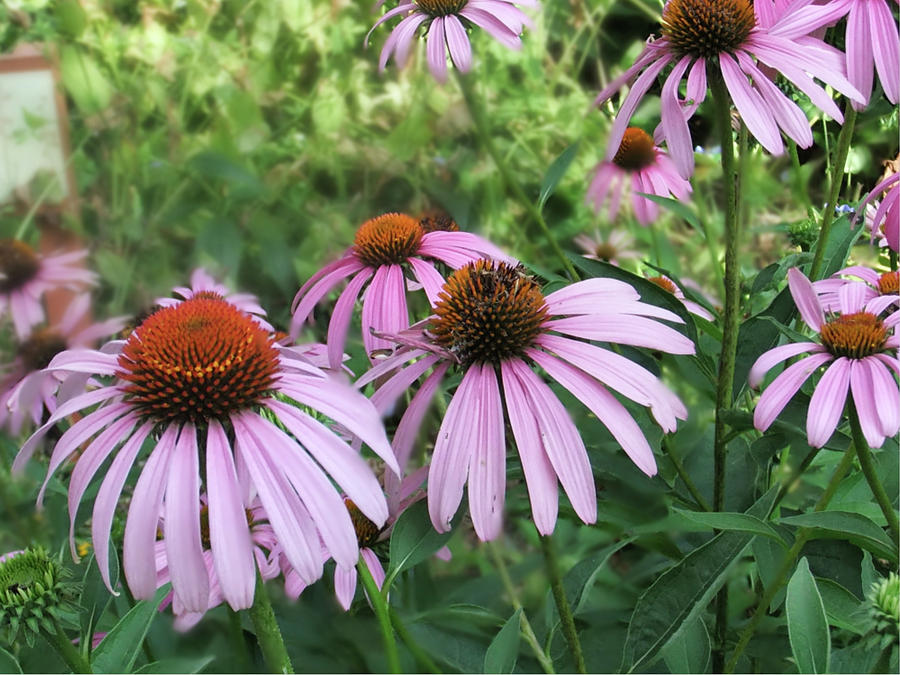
[[663, 283], [889, 283], [18, 264], [389, 239], [366, 531], [198, 360], [442, 7], [437, 221], [33, 594], [40, 348], [884, 609], [488, 312], [707, 28], [855, 336], [636, 151]]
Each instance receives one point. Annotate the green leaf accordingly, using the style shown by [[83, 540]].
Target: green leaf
[[841, 607], [555, 173], [119, 649], [218, 166], [737, 522], [84, 81], [851, 527], [176, 665], [840, 241], [690, 651], [95, 596], [682, 592], [8, 663], [502, 653], [580, 579], [413, 540], [807, 625]]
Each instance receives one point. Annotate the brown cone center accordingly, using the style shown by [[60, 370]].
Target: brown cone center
[[389, 239], [707, 28], [855, 336], [18, 264], [636, 151]]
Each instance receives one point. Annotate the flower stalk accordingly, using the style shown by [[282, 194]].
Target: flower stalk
[[268, 634], [551, 564], [64, 647], [871, 474], [382, 613]]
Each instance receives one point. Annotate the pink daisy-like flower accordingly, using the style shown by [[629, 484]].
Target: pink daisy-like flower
[[667, 284], [885, 222], [204, 379], [494, 323], [644, 167], [872, 42], [860, 351], [25, 275], [445, 23], [702, 38], [873, 286], [204, 284], [27, 389], [616, 246], [266, 553], [385, 248]]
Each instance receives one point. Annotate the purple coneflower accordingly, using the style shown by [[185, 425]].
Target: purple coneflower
[[494, 323], [204, 284], [616, 246], [885, 221], [694, 308], [643, 166], [872, 285], [27, 389], [384, 249], [860, 349], [702, 38], [25, 275], [872, 41], [204, 379], [445, 23]]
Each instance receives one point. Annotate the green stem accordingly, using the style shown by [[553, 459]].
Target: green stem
[[240, 642], [380, 606], [679, 467], [871, 473], [551, 561], [268, 634], [787, 563], [837, 178], [730, 316], [420, 655], [64, 647], [789, 483], [527, 631], [892, 256], [883, 664], [476, 111]]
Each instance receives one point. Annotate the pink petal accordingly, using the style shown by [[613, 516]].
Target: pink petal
[[806, 299], [884, 41], [783, 388], [434, 47], [827, 403], [768, 360], [341, 315], [458, 43], [487, 466]]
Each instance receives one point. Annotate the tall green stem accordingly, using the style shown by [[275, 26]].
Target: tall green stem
[[837, 178], [790, 558], [871, 474], [380, 606], [268, 634], [551, 564], [525, 624], [426, 663], [476, 111], [685, 477], [730, 316], [64, 647]]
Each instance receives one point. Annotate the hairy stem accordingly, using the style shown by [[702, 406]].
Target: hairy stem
[[268, 634], [837, 178], [380, 606], [551, 564]]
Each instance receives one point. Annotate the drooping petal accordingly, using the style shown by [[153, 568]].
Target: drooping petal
[[806, 299], [458, 43], [487, 466], [345, 585], [435, 49], [862, 388], [769, 359], [341, 315], [783, 388], [827, 403]]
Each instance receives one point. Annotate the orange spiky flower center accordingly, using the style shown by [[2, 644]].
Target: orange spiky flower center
[[663, 283], [489, 312], [199, 360], [366, 531], [889, 283], [18, 264], [707, 28], [441, 7], [636, 151], [39, 349], [389, 239], [855, 336]]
